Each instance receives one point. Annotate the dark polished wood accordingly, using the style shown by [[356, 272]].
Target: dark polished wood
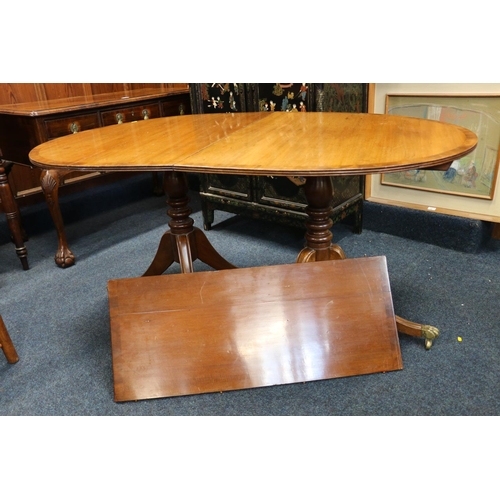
[[6, 344], [194, 333], [183, 243], [240, 328], [319, 192], [11, 211], [23, 125]]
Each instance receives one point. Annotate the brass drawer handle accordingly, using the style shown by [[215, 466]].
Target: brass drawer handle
[[145, 114], [119, 118], [74, 127]]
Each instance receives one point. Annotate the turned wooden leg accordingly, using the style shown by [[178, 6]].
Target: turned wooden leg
[[319, 246], [50, 181], [6, 344], [319, 194], [12, 215], [8, 167], [183, 243]]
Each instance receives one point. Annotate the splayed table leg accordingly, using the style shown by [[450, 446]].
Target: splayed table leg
[[183, 243], [319, 246]]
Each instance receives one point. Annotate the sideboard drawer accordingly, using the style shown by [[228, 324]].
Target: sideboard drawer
[[34, 123], [179, 106], [69, 125], [132, 114]]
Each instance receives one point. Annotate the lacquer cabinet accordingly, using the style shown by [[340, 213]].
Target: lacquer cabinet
[[277, 199]]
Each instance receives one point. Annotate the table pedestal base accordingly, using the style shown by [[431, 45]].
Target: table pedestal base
[[206, 332], [184, 243], [319, 246], [185, 249]]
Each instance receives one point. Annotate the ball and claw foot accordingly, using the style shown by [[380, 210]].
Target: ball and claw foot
[[64, 258]]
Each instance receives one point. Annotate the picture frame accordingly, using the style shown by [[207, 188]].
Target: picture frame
[[476, 174]]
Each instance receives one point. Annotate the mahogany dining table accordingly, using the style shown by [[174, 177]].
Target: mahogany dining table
[[312, 145]]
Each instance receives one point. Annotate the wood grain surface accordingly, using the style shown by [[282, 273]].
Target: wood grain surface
[[263, 144], [235, 329]]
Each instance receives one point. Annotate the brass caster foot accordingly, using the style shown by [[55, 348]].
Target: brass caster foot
[[429, 333]]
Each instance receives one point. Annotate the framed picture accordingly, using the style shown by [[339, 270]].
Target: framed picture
[[475, 174]]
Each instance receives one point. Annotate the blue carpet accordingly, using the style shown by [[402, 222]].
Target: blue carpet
[[443, 272]]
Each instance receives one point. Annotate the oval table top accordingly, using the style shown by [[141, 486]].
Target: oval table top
[[262, 143]]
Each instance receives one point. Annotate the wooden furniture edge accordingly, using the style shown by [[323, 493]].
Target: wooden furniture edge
[[426, 208], [68, 104], [369, 178]]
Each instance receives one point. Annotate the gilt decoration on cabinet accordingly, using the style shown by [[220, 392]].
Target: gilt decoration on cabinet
[[287, 97], [218, 97]]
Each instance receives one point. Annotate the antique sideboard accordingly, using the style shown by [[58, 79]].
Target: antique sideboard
[[279, 199], [61, 109]]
